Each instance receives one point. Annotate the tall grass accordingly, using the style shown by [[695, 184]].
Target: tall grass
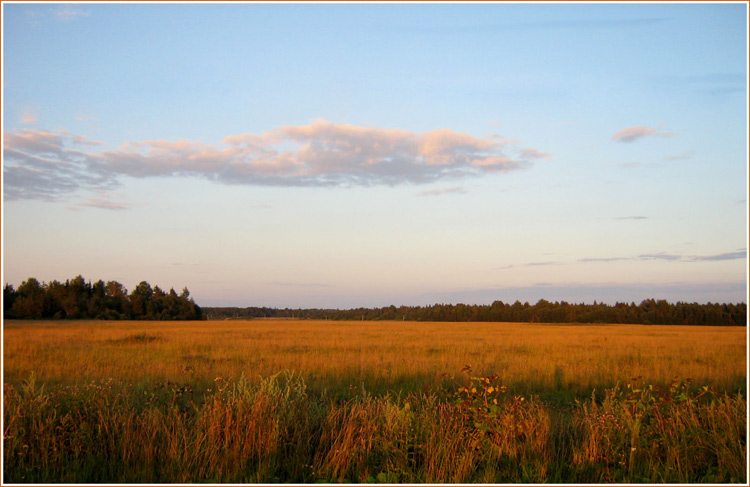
[[276, 432], [90, 402], [646, 434]]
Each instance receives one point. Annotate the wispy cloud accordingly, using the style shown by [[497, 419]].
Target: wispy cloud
[[298, 284], [104, 202], [710, 83], [603, 259], [563, 24], [634, 164], [28, 119], [70, 12], [43, 164], [609, 292], [681, 156], [531, 153], [631, 218], [531, 264], [660, 256], [438, 192], [37, 14], [631, 134], [79, 139], [736, 255], [590, 24], [740, 254]]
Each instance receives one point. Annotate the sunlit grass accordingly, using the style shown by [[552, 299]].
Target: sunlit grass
[[384, 355], [309, 401]]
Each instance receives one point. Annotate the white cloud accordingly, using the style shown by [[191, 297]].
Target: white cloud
[[69, 12], [631, 134], [318, 154]]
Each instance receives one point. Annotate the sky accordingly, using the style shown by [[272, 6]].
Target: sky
[[346, 155]]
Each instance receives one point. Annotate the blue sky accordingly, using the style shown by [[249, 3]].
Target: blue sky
[[343, 155]]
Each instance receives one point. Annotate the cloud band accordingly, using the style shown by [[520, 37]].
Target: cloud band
[[44, 165]]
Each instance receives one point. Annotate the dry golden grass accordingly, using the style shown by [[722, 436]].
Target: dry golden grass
[[156, 402], [382, 355]]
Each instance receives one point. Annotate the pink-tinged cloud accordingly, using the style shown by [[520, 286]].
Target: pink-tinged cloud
[[102, 202], [632, 134], [318, 154], [35, 141], [445, 147], [79, 139]]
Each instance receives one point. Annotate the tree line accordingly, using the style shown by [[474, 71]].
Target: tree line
[[80, 299], [649, 311]]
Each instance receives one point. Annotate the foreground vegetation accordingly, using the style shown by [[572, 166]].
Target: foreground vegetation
[[276, 432], [217, 402]]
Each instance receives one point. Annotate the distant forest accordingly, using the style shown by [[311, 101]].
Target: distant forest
[[80, 299], [649, 311]]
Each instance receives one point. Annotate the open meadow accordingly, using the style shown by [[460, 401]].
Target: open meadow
[[332, 401]]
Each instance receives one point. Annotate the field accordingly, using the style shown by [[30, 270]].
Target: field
[[323, 401]]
